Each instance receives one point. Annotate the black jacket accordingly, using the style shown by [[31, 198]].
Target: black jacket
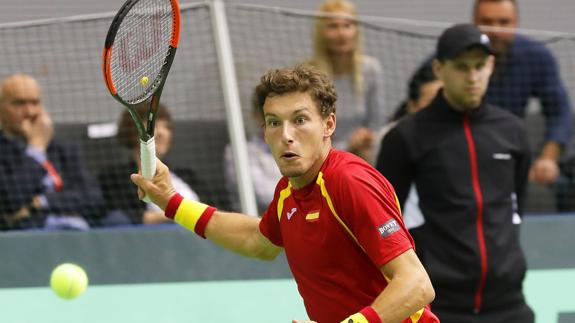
[[470, 171]]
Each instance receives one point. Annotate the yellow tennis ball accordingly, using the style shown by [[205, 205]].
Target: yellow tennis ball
[[68, 280], [144, 81]]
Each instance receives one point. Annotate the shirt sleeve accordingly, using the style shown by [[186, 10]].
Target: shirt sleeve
[[554, 99], [270, 225], [367, 204]]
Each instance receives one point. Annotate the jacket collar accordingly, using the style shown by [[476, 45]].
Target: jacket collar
[[441, 106]]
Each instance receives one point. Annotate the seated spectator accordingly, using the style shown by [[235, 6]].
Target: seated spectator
[[421, 89], [525, 69], [43, 182], [122, 203], [358, 78], [263, 169]]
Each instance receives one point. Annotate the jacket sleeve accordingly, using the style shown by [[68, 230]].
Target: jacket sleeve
[[522, 170], [394, 163], [81, 193], [20, 179], [554, 99]]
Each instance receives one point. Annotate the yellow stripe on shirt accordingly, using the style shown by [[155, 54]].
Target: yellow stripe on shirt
[[284, 194], [321, 182]]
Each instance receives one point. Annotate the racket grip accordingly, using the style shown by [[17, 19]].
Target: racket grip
[[148, 160]]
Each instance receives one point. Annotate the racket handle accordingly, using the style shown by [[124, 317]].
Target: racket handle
[[148, 160]]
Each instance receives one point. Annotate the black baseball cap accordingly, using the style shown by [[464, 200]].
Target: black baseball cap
[[458, 38]]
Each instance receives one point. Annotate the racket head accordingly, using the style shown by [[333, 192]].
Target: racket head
[[139, 49]]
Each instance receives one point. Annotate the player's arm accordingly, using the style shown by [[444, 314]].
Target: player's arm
[[408, 291], [234, 231]]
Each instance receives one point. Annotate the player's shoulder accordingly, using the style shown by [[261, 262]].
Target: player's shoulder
[[342, 166]]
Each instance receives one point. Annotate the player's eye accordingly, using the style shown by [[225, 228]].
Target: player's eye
[[300, 120], [272, 123]]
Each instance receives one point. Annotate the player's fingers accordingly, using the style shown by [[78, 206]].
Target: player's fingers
[[141, 182], [141, 193]]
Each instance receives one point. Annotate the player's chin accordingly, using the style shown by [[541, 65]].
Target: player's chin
[[291, 171]]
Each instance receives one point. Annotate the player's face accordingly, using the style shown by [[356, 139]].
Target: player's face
[[21, 100], [497, 14], [340, 35], [163, 137], [298, 136], [465, 78]]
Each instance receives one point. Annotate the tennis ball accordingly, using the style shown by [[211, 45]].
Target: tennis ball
[[144, 81], [68, 280]]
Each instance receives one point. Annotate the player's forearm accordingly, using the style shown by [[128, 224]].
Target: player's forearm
[[233, 231], [408, 291], [239, 233], [405, 295]]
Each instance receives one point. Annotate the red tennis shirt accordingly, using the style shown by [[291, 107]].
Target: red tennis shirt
[[337, 232]]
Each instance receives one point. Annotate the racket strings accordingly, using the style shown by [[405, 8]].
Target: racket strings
[[140, 49]]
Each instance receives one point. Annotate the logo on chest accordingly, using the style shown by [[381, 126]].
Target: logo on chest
[[388, 228], [290, 213]]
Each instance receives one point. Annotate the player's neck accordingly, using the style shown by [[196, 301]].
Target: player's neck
[[311, 174]]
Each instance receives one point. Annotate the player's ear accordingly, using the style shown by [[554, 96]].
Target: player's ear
[[329, 125]]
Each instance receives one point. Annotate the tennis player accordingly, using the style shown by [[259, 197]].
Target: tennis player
[[336, 217]]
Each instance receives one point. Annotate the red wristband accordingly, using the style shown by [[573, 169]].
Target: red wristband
[[202, 223], [173, 205], [370, 314]]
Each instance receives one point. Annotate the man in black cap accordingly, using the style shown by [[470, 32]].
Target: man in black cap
[[469, 161]]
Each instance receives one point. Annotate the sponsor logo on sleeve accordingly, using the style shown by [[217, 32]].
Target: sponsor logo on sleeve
[[388, 228]]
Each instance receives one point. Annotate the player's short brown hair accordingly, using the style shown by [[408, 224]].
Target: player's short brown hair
[[128, 133], [301, 78]]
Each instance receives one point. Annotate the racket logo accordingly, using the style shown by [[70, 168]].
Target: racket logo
[[149, 43]]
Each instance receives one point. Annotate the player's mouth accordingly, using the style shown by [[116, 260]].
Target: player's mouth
[[289, 156]]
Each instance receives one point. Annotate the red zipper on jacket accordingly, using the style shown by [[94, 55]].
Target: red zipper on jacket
[[479, 219]]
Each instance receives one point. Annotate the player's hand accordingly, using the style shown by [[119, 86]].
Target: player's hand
[[38, 130], [544, 171], [160, 189]]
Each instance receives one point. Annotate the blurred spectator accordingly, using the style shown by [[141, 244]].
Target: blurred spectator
[[525, 68], [122, 203], [422, 88], [43, 182], [469, 161], [264, 171], [358, 78]]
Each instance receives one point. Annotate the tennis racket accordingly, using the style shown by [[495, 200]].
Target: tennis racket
[[139, 50]]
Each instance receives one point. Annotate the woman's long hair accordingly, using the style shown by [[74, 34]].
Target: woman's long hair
[[321, 58]]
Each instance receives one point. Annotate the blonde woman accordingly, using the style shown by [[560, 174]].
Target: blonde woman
[[357, 77]]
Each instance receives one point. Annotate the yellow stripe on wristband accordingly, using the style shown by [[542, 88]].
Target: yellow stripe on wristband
[[356, 318], [188, 213]]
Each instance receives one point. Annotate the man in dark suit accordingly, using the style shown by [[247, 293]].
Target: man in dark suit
[[43, 183]]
